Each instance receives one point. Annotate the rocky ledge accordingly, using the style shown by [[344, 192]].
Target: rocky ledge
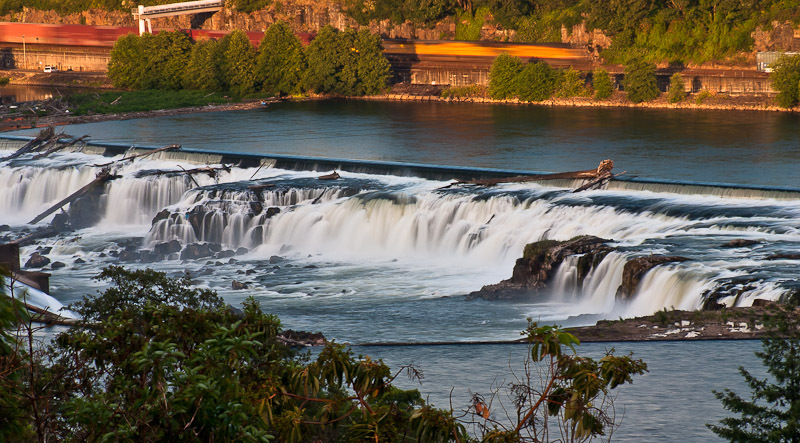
[[724, 324]]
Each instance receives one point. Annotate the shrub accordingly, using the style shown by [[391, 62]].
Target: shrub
[[640, 81], [464, 91], [677, 88], [601, 82], [570, 84], [468, 25], [125, 66], [536, 82], [702, 96], [505, 69], [4, 81], [786, 80], [281, 62]]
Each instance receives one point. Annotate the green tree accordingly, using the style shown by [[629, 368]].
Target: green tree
[[505, 69], [677, 88], [570, 84], [14, 418], [127, 62], [786, 80], [372, 68], [324, 61], [772, 414], [536, 82], [239, 63], [166, 57], [640, 81], [201, 71], [557, 382], [601, 82], [281, 62]]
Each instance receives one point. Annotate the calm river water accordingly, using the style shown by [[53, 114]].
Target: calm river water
[[673, 402]]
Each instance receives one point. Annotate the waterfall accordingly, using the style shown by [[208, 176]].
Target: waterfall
[[478, 232]]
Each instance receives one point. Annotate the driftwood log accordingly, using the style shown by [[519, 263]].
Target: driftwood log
[[332, 176], [212, 171], [102, 177], [144, 154], [605, 167], [59, 147], [44, 136]]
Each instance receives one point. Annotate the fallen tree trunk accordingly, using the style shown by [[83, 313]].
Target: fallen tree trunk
[[210, 170], [596, 183], [144, 154], [43, 137], [102, 177], [332, 176], [59, 147], [601, 170]]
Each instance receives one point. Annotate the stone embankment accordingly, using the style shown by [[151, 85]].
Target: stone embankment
[[720, 103]]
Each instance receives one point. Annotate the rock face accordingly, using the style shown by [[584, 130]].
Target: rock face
[[533, 271], [635, 269], [37, 261], [195, 251], [740, 243]]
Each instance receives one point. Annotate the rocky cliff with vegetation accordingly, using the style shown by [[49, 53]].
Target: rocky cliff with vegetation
[[679, 31]]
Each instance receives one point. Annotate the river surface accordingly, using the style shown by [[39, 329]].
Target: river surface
[[387, 259], [756, 148]]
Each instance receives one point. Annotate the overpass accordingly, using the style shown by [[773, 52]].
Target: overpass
[[143, 14]]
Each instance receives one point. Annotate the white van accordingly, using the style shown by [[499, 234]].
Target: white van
[[50, 69]]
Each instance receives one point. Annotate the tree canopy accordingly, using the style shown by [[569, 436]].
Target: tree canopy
[[786, 80]]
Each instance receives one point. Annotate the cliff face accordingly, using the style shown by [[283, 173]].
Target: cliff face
[[308, 16]]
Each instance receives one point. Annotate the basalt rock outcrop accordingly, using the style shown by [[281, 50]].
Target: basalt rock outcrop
[[635, 269], [539, 260]]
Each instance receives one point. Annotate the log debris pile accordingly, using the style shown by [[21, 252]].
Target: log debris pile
[[45, 143], [596, 177]]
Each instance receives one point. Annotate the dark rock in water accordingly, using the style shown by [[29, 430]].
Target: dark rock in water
[[163, 215], [87, 210], [206, 271], [275, 259], [60, 222], [273, 211], [783, 256], [240, 251], [237, 285], [167, 248], [302, 338], [732, 287], [113, 253], [195, 251], [239, 271], [218, 263], [102, 255], [58, 265], [4, 228], [250, 272], [228, 253], [128, 255], [256, 208], [310, 267], [214, 247], [533, 271], [151, 257], [635, 269], [45, 250], [37, 261], [739, 243], [79, 261], [195, 218], [233, 261]]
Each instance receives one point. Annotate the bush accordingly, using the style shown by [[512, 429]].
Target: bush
[[677, 88], [536, 82], [640, 81], [702, 96], [570, 84], [470, 91], [468, 25], [505, 69], [601, 82], [281, 62], [4, 81], [786, 80]]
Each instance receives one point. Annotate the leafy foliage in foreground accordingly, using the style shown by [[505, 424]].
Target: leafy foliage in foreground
[[772, 414], [640, 81], [154, 359]]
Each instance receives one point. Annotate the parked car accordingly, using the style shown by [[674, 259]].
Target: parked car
[[50, 69]]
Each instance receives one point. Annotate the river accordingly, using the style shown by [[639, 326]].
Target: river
[[387, 258]]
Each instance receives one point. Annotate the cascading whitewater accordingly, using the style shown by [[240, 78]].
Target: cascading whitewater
[[480, 231]]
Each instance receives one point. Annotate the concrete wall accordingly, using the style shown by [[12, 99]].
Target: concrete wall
[[36, 58]]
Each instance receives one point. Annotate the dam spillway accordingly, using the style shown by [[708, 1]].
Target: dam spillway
[[387, 241]]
